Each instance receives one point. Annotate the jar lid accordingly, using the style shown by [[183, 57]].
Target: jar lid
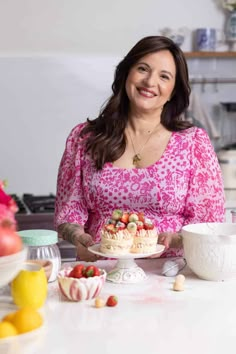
[[38, 237]]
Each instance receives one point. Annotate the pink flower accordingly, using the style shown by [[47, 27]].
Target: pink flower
[[4, 198], [8, 208]]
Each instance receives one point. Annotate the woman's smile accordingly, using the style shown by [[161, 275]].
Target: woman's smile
[[146, 92]]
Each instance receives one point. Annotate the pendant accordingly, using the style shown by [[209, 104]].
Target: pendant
[[136, 159]]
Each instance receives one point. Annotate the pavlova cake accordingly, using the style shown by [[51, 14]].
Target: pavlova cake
[[126, 232]]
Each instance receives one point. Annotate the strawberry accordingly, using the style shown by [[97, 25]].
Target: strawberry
[[148, 224], [141, 216], [111, 228], [71, 274], [112, 301], [133, 217], [140, 225], [77, 271], [96, 272], [117, 214], [91, 271], [125, 218]]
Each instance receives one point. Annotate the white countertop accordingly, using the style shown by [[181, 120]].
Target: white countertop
[[150, 318]]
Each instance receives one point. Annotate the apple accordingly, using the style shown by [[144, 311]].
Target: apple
[[10, 241]]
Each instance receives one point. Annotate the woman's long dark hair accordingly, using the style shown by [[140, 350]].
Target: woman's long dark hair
[[106, 140]]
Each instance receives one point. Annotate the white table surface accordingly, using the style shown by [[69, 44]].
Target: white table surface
[[149, 318]]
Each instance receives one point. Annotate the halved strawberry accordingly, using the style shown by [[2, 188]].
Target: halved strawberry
[[140, 225], [125, 218], [111, 228], [148, 224]]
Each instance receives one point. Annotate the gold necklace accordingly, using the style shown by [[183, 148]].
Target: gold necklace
[[137, 155]]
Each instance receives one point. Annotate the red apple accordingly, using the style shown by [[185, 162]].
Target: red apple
[[10, 241]]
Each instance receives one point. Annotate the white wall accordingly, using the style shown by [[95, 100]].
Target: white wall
[[42, 99], [92, 26], [57, 59]]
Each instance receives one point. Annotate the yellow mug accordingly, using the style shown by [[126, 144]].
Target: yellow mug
[[29, 287]]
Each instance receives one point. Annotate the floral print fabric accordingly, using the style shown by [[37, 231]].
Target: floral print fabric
[[184, 186]]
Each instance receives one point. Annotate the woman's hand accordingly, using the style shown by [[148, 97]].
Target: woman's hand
[[75, 234], [170, 240], [82, 243]]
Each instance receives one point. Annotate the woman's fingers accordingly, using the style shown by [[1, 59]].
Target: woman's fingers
[[84, 254], [169, 239], [165, 239], [86, 240]]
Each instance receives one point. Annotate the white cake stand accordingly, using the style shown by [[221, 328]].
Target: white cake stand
[[126, 270]]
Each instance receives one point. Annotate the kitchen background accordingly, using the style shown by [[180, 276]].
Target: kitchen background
[[57, 59]]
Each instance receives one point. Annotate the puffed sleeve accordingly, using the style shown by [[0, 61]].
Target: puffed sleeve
[[205, 201], [70, 206]]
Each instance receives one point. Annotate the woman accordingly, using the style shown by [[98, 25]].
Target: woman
[[140, 155]]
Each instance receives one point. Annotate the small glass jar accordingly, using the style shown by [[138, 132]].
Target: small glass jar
[[233, 213], [42, 245]]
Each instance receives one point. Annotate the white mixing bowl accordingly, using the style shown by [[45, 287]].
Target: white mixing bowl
[[210, 250], [11, 265]]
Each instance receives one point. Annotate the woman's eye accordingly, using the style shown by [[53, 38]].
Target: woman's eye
[[142, 68], [165, 77]]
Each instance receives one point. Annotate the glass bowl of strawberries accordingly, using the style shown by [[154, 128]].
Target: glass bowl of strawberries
[[81, 282]]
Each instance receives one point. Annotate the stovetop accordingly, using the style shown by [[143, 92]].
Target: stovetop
[[37, 212], [36, 204]]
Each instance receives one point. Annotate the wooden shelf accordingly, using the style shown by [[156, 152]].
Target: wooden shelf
[[210, 55]]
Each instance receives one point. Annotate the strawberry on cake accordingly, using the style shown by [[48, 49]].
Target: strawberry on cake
[[127, 232]]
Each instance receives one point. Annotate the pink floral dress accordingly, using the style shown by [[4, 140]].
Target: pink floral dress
[[184, 186]]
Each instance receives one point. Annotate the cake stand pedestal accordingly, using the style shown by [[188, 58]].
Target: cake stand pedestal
[[126, 271]]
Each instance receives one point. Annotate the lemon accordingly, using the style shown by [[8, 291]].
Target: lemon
[[7, 329], [8, 317], [29, 288], [27, 319]]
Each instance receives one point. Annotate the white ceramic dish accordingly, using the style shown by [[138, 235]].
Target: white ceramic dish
[[210, 250], [26, 343], [80, 289], [11, 265]]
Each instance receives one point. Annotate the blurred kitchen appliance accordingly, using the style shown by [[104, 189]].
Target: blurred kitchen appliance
[[229, 106], [227, 160], [233, 214]]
